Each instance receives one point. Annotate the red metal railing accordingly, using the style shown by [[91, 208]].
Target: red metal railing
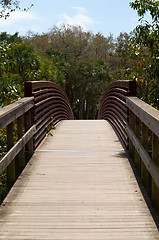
[[113, 106], [50, 105]]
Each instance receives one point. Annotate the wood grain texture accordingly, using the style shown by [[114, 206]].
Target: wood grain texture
[[11, 112], [79, 185], [146, 113], [148, 162], [11, 154]]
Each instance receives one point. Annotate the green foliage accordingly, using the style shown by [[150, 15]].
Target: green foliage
[[18, 63], [80, 63], [144, 6], [7, 38], [145, 51]]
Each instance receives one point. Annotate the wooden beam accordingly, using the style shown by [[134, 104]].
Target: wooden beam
[[11, 165], [147, 114], [11, 112], [155, 158], [20, 158], [144, 172], [7, 159], [150, 165]]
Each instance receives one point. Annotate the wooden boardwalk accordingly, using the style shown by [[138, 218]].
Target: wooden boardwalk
[[78, 185]]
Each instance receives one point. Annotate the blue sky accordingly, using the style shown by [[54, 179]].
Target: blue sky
[[104, 16]]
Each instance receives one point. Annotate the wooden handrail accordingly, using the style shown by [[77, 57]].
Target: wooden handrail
[[143, 133], [113, 107], [51, 105], [137, 125], [18, 111], [44, 103]]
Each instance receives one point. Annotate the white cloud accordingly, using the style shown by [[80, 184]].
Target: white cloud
[[80, 9], [17, 17], [22, 22], [79, 19]]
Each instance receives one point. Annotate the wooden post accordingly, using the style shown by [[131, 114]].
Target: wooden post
[[155, 158], [20, 159], [137, 133], [28, 124], [11, 177], [145, 176], [132, 126]]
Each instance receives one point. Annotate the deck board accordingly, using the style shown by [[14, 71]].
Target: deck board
[[79, 185]]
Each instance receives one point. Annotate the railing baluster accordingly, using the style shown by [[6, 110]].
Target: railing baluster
[[11, 177], [51, 106], [137, 124], [132, 126], [20, 159], [144, 172], [28, 124], [155, 158]]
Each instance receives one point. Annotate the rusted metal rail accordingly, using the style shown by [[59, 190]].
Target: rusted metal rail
[[137, 125], [113, 106], [44, 103], [51, 106]]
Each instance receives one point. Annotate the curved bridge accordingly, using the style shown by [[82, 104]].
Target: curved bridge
[[81, 182]]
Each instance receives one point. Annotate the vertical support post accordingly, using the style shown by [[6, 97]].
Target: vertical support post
[[28, 124], [20, 159], [132, 88], [28, 92], [155, 159], [11, 177], [144, 172], [132, 126], [137, 133]]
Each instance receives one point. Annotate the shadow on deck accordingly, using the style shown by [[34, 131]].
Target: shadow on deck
[[78, 185]]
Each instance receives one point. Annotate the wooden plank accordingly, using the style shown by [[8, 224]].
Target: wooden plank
[[78, 185]]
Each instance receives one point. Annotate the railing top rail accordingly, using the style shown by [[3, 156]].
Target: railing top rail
[[130, 85], [11, 112], [36, 84], [146, 113], [41, 84]]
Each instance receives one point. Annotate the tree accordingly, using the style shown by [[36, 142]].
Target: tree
[[8, 6], [145, 45], [6, 38], [81, 60], [18, 63]]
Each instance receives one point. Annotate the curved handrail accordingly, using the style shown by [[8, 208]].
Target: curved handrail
[[50, 105], [113, 106]]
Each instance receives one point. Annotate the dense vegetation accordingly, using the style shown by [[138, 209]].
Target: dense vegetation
[[81, 62], [84, 63]]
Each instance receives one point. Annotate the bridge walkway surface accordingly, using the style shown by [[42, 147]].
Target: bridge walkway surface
[[78, 185]]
